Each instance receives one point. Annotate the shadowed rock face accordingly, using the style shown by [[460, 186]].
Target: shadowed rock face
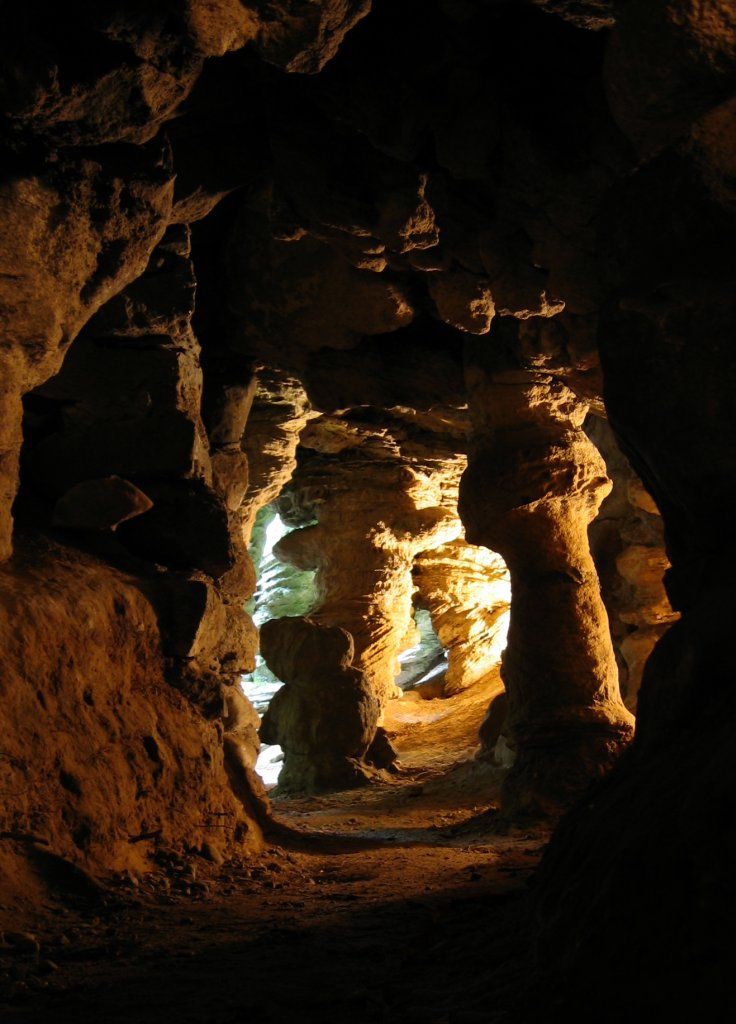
[[107, 760], [423, 233], [326, 715], [627, 543]]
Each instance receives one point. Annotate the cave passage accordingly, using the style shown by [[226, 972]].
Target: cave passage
[[467, 591], [367, 491]]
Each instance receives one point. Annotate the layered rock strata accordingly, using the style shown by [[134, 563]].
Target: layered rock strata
[[504, 162], [126, 407], [466, 590], [370, 521]]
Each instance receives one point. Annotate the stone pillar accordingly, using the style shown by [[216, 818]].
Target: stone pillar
[[533, 484], [369, 528], [325, 717], [279, 412]]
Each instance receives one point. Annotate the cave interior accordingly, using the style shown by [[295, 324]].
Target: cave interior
[[367, 502]]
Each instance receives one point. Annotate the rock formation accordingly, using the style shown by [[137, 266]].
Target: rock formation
[[103, 761], [323, 254], [371, 519], [466, 590], [533, 484], [326, 715], [627, 543]]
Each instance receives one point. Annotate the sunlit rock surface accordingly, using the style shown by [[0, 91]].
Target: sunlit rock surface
[[107, 761], [533, 484], [468, 592]]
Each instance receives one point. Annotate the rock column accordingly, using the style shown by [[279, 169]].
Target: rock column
[[362, 547], [533, 484], [369, 528]]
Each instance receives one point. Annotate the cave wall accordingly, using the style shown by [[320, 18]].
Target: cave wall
[[104, 762], [670, 73], [121, 677], [628, 547]]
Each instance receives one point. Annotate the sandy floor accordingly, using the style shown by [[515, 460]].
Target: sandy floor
[[398, 902]]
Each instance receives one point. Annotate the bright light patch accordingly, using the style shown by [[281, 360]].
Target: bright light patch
[[269, 764], [259, 692], [275, 530]]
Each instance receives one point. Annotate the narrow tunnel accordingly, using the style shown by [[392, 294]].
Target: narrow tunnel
[[366, 511]]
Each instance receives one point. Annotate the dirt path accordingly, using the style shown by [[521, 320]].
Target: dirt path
[[393, 903]]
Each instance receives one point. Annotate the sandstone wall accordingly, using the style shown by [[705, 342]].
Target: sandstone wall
[[103, 762]]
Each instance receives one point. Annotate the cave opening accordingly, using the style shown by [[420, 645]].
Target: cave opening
[[280, 590], [445, 591]]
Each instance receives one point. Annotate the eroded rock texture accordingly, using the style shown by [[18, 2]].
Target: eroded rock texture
[[627, 543], [466, 591], [326, 715], [533, 484], [371, 520], [667, 369], [103, 760], [374, 188]]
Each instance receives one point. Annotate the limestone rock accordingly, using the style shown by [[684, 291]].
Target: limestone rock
[[381, 752], [129, 392], [407, 220], [45, 295], [432, 171], [548, 484], [368, 531], [187, 528], [668, 62], [517, 287], [627, 543], [325, 717], [463, 301], [241, 723], [306, 40], [590, 14], [100, 504], [191, 612], [311, 296], [279, 413], [467, 592], [230, 475], [102, 749], [230, 410]]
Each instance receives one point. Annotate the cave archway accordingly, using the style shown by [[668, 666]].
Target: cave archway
[[368, 582]]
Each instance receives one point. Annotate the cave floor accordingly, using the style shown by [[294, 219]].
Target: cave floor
[[369, 910]]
